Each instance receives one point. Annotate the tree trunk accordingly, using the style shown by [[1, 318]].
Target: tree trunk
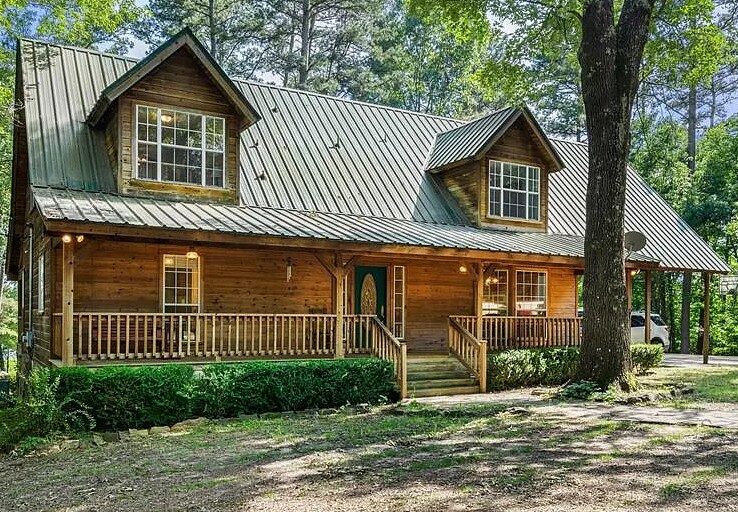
[[610, 57], [691, 155], [212, 28], [305, 30]]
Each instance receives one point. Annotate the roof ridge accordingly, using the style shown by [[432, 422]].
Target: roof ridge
[[346, 100]]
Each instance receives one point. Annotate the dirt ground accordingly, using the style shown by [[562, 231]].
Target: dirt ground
[[419, 458]]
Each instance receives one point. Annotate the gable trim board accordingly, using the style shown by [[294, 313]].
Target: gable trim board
[[183, 39], [316, 153]]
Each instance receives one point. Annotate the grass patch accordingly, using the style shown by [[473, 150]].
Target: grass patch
[[690, 483], [707, 384]]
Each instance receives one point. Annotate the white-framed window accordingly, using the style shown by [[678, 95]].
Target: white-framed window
[[180, 147], [41, 287], [514, 191], [398, 324], [530, 293], [181, 284], [494, 300]]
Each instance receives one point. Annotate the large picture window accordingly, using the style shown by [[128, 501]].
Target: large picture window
[[494, 300], [181, 284], [180, 147], [514, 190], [530, 297]]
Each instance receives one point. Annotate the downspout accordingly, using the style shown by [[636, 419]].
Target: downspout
[[28, 334]]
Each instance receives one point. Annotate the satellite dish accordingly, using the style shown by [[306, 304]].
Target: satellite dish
[[634, 241]]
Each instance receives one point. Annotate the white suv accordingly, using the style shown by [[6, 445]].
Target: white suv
[[659, 329]]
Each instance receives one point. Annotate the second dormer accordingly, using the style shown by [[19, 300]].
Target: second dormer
[[172, 125], [496, 168]]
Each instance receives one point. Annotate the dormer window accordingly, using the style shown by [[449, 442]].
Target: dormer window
[[514, 191], [179, 147]]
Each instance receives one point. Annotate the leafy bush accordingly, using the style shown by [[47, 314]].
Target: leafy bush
[[581, 390], [530, 367], [44, 413], [551, 366], [122, 397], [644, 357], [251, 387]]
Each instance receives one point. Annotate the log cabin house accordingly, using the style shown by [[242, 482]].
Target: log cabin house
[[162, 211]]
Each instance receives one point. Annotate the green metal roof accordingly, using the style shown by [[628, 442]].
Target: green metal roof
[[315, 153]]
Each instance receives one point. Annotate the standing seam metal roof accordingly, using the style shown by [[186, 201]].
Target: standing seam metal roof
[[315, 153]]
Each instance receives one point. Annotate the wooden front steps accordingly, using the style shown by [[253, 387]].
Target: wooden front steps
[[438, 375]]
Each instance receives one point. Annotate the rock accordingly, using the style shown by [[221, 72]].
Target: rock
[[54, 448], [110, 437], [327, 412], [159, 430], [98, 440], [248, 417], [70, 444], [186, 424], [518, 411], [137, 433], [270, 415], [362, 408]]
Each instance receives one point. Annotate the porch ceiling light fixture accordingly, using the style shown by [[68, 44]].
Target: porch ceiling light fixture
[[192, 254], [635, 271], [66, 238], [166, 118], [80, 238], [463, 269], [491, 280]]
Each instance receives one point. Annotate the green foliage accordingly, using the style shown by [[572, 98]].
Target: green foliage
[[121, 397], [136, 397], [644, 357], [551, 366], [252, 387], [581, 390], [46, 412], [529, 367]]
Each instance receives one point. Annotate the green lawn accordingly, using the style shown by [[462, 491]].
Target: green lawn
[[709, 384]]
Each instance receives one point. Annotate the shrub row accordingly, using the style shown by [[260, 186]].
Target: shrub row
[[136, 397], [551, 366]]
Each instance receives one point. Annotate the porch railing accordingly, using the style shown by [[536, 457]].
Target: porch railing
[[469, 350], [505, 332], [137, 336], [98, 336], [366, 334]]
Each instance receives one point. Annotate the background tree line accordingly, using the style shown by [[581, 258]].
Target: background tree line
[[459, 59]]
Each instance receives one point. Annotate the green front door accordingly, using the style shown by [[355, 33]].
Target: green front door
[[370, 298], [370, 291]]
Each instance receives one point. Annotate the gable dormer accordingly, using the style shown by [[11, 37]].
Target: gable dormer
[[497, 169], [172, 125]]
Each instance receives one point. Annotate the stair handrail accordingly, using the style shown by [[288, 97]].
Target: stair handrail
[[469, 350], [386, 346]]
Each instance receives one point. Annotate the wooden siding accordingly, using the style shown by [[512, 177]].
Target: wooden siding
[[127, 277], [116, 276], [180, 83], [463, 183]]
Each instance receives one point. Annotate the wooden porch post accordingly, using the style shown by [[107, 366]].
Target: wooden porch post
[[339, 275], [479, 298], [68, 303], [706, 328], [647, 304]]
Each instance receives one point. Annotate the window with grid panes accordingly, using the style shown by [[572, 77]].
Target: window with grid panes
[[530, 296], [180, 147], [514, 190], [181, 284]]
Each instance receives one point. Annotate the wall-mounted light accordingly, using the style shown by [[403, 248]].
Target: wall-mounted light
[[192, 254], [463, 269], [66, 238], [635, 271], [80, 238]]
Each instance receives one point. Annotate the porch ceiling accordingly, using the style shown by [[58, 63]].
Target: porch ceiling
[[118, 210]]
